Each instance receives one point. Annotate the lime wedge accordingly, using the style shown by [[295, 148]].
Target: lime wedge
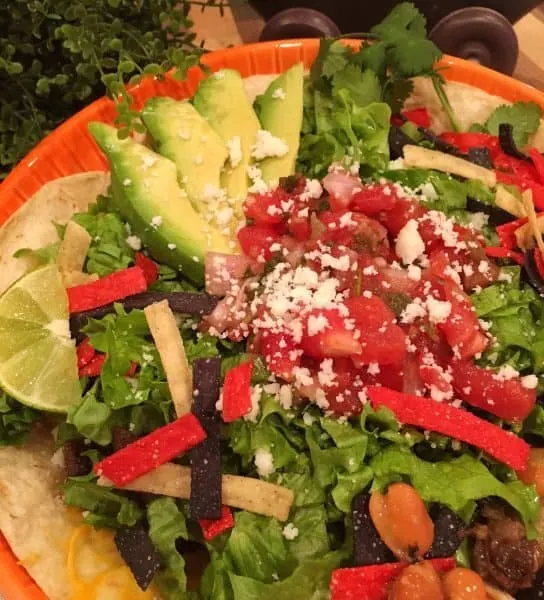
[[38, 363]]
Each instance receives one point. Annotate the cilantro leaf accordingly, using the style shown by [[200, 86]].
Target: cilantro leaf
[[396, 91], [523, 116], [364, 88], [404, 17], [331, 57], [413, 57]]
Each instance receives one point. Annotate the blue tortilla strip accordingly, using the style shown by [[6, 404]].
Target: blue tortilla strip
[[448, 527], [186, 303], [368, 547], [205, 501], [508, 144], [139, 553]]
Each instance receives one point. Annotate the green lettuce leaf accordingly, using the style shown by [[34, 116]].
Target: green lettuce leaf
[[312, 540], [106, 508], [456, 483], [166, 525], [256, 548], [16, 421], [313, 577]]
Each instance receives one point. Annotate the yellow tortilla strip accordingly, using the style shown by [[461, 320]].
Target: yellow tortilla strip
[[246, 493], [534, 225], [423, 158], [72, 278], [165, 332], [508, 202], [73, 248]]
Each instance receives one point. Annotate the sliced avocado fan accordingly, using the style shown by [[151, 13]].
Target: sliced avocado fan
[[147, 194], [186, 138], [280, 113], [222, 100]]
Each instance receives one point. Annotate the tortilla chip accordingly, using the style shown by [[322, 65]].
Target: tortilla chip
[[32, 225], [470, 105], [73, 248]]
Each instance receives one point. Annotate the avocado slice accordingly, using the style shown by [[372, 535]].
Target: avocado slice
[[222, 100], [185, 137], [280, 113], [147, 194]]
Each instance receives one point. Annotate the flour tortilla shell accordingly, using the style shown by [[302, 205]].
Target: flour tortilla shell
[[470, 105], [32, 225]]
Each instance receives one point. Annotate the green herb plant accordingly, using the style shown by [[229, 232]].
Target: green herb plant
[[56, 56]]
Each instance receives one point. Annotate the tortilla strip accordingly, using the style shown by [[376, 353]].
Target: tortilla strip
[[73, 278], [470, 105], [508, 202], [32, 225], [424, 158], [73, 248], [165, 332], [246, 493]]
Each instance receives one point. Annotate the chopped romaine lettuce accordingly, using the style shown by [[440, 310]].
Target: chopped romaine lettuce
[[16, 421]]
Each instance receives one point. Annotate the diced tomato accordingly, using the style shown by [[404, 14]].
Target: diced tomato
[[373, 199], [538, 162], [504, 397], [256, 240], [326, 335], [435, 377], [94, 367], [281, 353], [382, 341], [521, 168], [148, 266], [356, 231], [299, 227], [403, 211], [418, 116], [462, 328], [237, 392], [85, 353], [266, 209], [342, 393], [465, 141], [507, 232]]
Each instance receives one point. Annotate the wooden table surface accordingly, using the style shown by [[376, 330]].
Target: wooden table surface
[[242, 24]]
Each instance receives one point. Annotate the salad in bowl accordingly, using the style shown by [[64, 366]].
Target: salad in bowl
[[290, 346]]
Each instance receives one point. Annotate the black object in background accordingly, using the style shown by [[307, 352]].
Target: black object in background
[[480, 32]]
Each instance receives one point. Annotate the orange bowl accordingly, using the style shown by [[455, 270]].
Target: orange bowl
[[70, 149]]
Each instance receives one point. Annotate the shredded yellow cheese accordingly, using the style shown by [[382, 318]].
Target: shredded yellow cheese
[[112, 581], [423, 158]]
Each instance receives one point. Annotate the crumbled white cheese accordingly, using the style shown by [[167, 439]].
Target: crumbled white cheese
[[308, 419], [438, 311], [184, 135], [264, 461], [414, 310], [414, 272], [199, 159], [317, 324], [312, 190], [148, 161], [290, 532], [373, 368], [234, 146], [156, 222], [396, 165], [505, 373], [479, 220], [529, 382], [127, 181], [258, 186], [134, 242], [278, 94], [409, 245], [256, 393], [286, 396], [172, 246], [267, 145]]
